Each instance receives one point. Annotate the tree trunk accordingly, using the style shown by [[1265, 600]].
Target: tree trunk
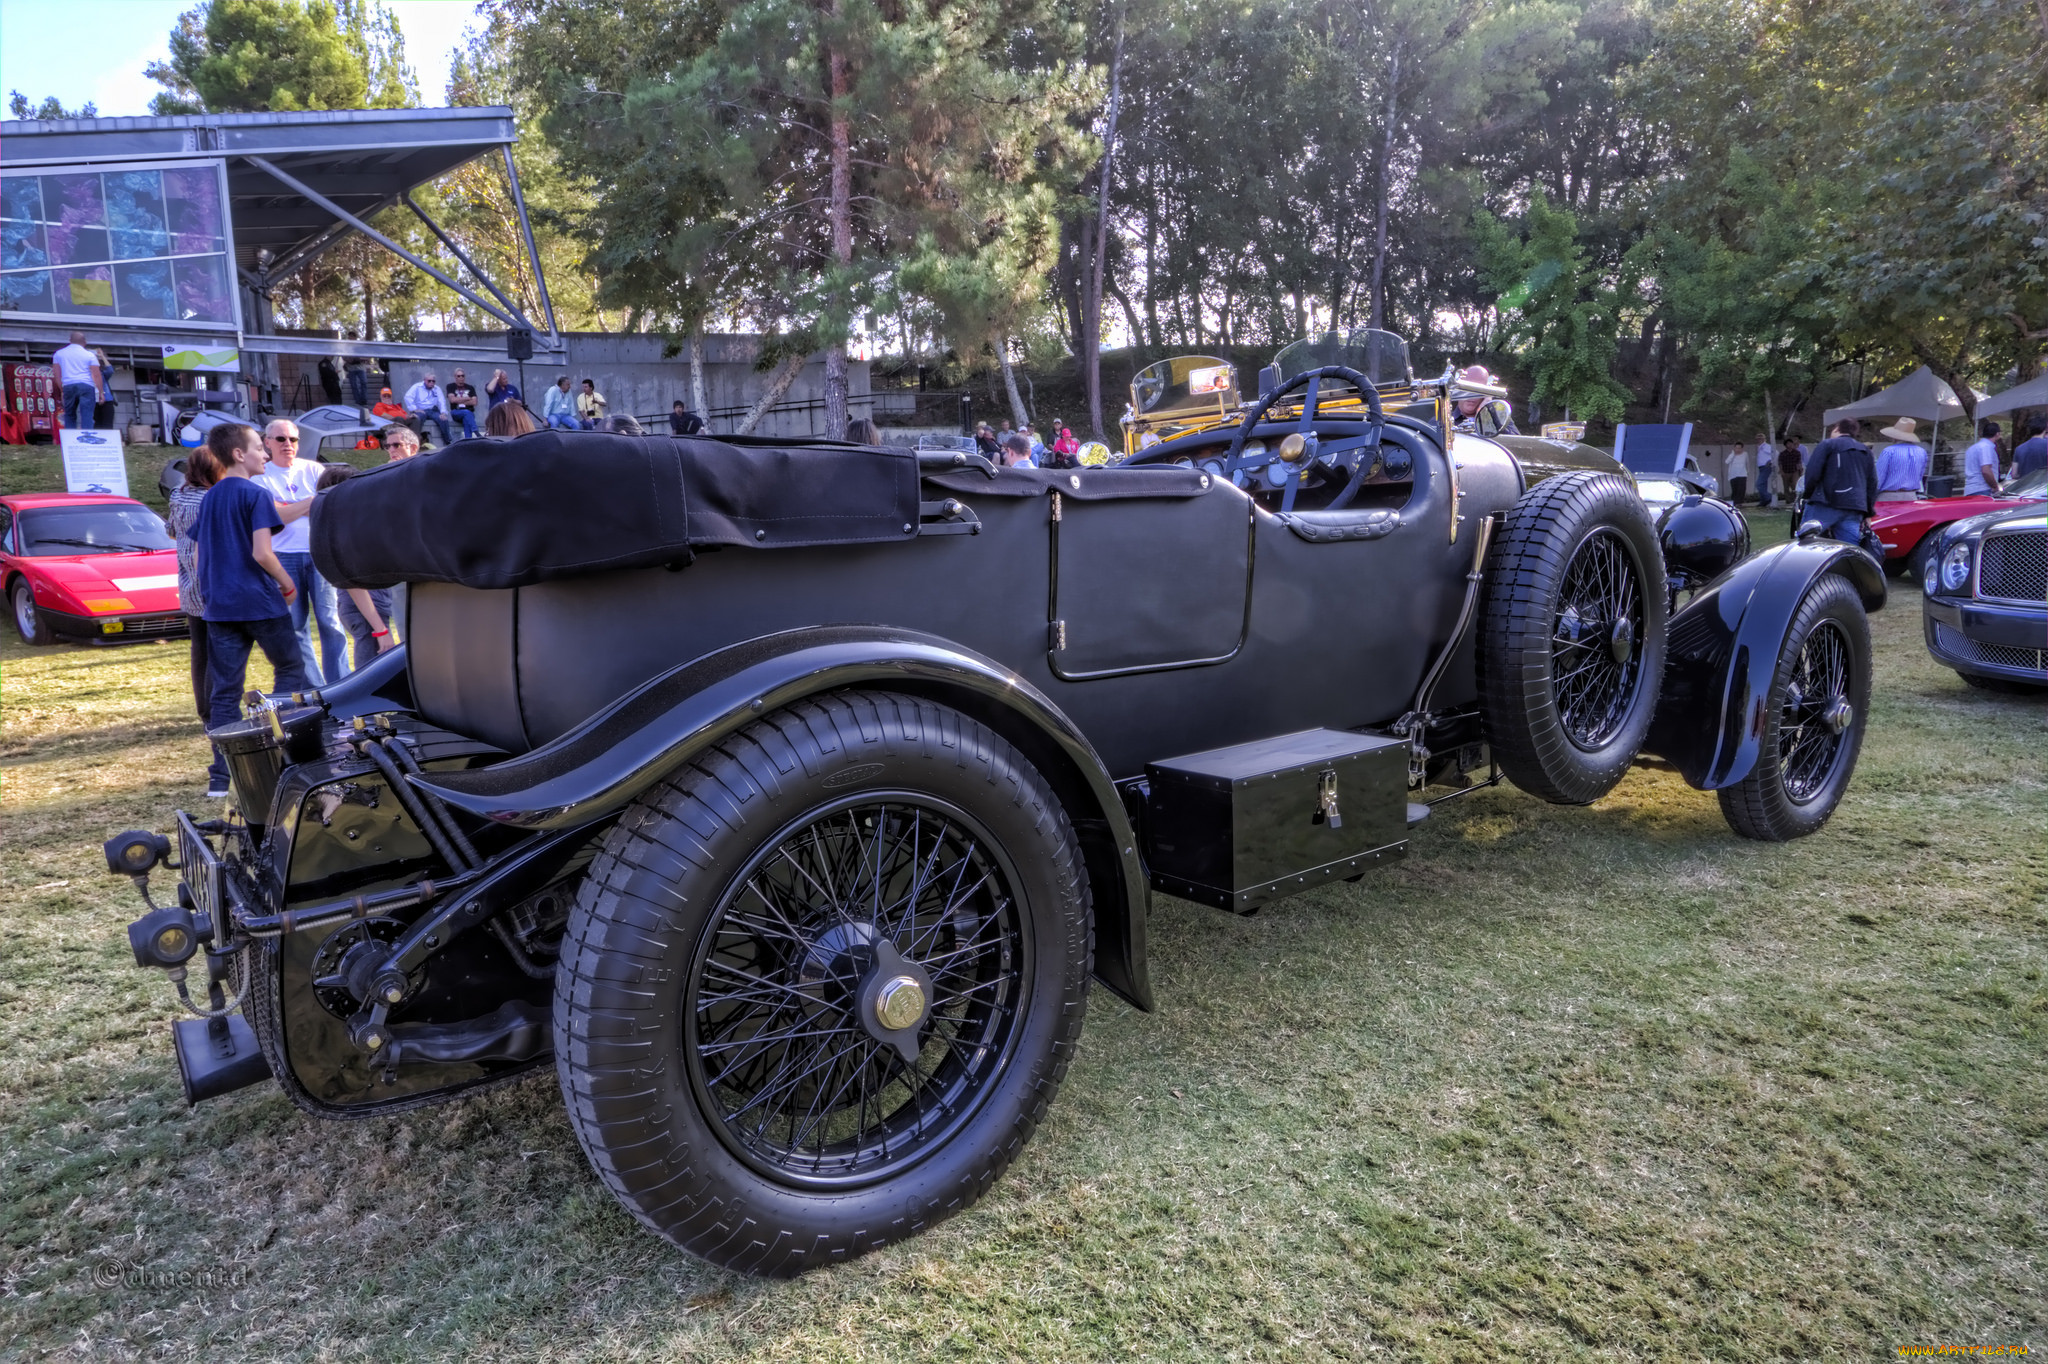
[[1130, 315], [1092, 302], [1386, 170], [840, 208], [785, 375], [697, 402], [1017, 412]]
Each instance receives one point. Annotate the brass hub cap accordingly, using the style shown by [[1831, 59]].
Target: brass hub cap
[[899, 1004]]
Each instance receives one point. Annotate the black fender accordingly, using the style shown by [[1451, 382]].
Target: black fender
[[1723, 650], [601, 766]]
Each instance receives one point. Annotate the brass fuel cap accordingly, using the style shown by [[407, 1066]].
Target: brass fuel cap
[[895, 999]]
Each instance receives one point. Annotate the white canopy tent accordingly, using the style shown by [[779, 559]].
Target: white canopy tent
[[1920, 395], [2032, 393]]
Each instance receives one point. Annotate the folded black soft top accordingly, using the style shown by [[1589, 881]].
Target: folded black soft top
[[557, 504]]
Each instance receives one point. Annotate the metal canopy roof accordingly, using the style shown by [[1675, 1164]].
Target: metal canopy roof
[[299, 184], [362, 159]]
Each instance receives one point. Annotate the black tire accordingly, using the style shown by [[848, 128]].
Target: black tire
[[21, 599], [693, 940], [1568, 691], [1916, 559], [1806, 760]]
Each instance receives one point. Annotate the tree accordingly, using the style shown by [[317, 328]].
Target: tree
[[49, 110], [1564, 311], [780, 160], [238, 56]]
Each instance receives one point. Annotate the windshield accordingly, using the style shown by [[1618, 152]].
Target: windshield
[[1184, 383], [1380, 356], [2030, 485], [95, 528]]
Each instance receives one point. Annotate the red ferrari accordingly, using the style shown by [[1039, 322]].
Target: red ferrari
[[1909, 530], [87, 566]]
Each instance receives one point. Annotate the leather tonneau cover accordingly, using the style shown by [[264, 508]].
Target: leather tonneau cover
[[559, 504]]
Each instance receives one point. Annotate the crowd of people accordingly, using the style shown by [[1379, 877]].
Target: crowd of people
[[429, 405], [1023, 446]]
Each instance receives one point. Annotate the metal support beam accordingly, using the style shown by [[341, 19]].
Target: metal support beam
[[481, 277], [374, 235], [540, 280]]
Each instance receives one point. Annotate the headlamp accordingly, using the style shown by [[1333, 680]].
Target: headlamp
[[1955, 567]]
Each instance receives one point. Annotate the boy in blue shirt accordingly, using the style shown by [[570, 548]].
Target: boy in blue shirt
[[247, 593]]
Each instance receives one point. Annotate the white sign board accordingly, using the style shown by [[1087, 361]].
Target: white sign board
[[93, 462]]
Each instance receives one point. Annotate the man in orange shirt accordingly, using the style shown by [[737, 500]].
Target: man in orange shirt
[[387, 409]]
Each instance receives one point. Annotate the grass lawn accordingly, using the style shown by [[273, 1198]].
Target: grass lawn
[[1602, 1083]]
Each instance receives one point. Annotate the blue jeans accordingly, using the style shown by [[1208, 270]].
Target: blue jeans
[[79, 400], [227, 660], [359, 387], [315, 603], [420, 420], [1846, 526], [565, 422], [465, 417]]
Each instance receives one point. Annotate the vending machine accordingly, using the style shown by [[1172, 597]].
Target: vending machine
[[32, 395]]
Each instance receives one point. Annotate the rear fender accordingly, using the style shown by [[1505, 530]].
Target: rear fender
[[601, 766], [1723, 651]]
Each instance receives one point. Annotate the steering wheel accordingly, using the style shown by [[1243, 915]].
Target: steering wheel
[[1303, 448]]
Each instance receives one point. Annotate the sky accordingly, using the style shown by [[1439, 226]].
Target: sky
[[95, 50]]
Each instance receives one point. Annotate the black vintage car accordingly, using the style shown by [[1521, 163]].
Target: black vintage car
[[787, 796], [1986, 608]]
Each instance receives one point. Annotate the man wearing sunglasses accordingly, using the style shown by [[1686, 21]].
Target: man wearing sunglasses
[[292, 482]]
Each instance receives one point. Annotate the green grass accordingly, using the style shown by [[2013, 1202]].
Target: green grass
[[1600, 1083]]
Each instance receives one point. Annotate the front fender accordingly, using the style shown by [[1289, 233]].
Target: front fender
[[1723, 651], [601, 766]]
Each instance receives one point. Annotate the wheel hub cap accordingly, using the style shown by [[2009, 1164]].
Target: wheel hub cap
[[899, 1004], [893, 1000], [1839, 715], [1622, 640]]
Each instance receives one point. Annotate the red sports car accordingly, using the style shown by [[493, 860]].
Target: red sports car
[[1909, 530], [87, 566]]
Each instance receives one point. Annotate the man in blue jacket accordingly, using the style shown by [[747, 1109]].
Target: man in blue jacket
[[1841, 483]]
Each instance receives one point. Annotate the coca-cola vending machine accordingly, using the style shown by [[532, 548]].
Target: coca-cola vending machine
[[32, 395]]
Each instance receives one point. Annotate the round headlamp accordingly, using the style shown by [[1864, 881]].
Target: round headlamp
[[1955, 568], [1930, 579]]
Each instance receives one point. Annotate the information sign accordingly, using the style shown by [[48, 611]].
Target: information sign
[[93, 462]]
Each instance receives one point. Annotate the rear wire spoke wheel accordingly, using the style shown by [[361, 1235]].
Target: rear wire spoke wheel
[[1814, 718], [1571, 636], [820, 984], [779, 1043]]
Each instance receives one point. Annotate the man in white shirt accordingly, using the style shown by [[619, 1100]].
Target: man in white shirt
[[425, 402], [292, 482], [1980, 461], [78, 370]]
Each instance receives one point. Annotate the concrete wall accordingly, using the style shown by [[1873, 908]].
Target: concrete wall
[[633, 374]]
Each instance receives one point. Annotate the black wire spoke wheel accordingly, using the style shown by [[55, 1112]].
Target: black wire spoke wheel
[[1813, 719], [1594, 640], [779, 1045], [1811, 728], [1571, 635], [821, 983]]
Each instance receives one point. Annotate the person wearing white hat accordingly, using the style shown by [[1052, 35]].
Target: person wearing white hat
[[1902, 465]]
